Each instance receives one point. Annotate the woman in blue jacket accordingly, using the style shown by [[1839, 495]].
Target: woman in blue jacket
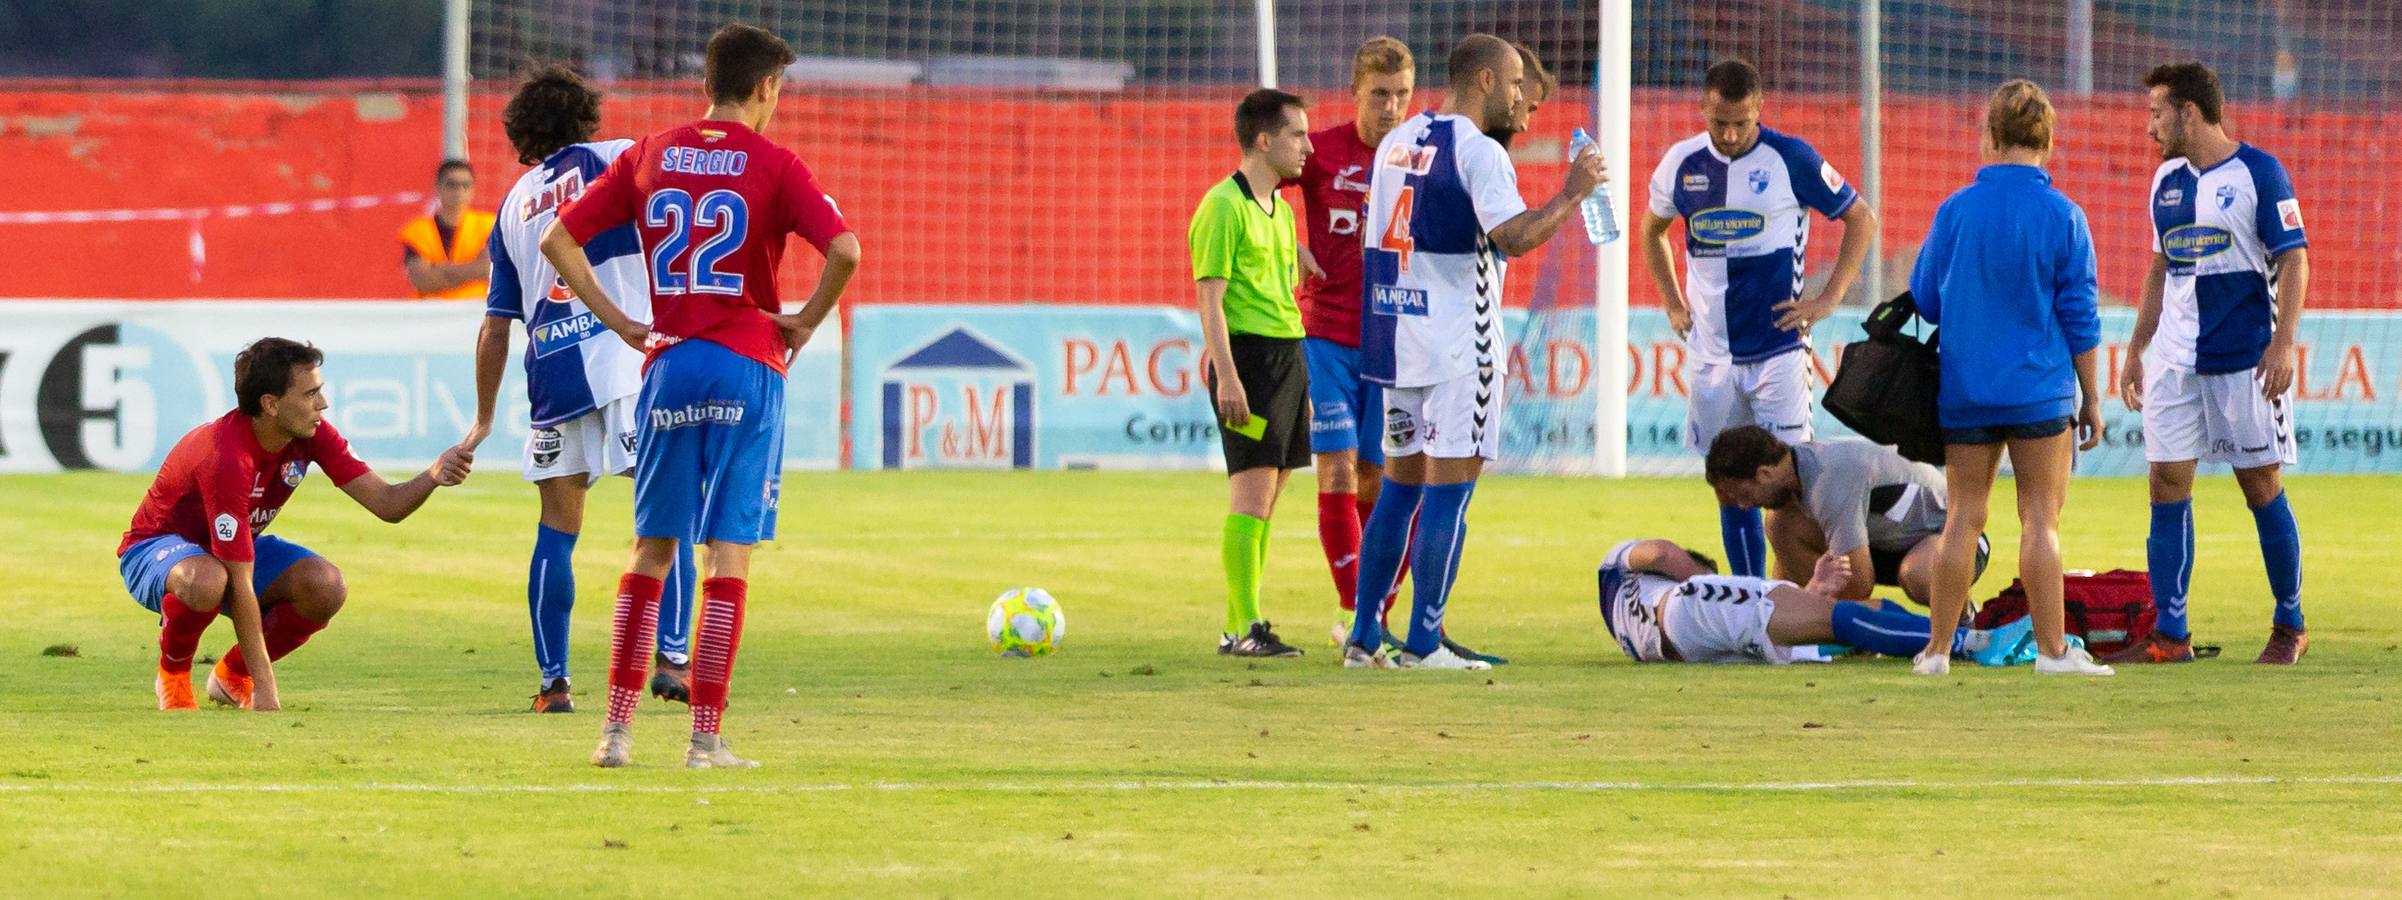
[[2008, 271]]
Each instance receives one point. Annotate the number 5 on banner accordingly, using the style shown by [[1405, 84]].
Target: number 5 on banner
[[1397, 228]]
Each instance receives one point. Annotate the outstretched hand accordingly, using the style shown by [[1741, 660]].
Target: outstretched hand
[[451, 468]]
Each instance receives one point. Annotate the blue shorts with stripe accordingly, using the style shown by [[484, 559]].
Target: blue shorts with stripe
[[1346, 411], [145, 565], [709, 450]]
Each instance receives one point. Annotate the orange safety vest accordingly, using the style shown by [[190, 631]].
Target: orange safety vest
[[475, 226]]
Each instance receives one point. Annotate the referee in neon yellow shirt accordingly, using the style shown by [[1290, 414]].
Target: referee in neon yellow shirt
[[1245, 270]]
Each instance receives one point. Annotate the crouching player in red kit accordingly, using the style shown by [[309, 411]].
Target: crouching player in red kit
[[195, 548], [713, 201]]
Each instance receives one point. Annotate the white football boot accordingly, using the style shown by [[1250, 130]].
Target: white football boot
[[1442, 658], [1358, 657], [616, 746], [709, 751]]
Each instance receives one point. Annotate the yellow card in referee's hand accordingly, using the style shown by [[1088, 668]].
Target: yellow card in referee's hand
[[1254, 428]]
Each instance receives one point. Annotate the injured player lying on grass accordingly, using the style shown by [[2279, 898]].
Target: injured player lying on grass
[[1664, 603]]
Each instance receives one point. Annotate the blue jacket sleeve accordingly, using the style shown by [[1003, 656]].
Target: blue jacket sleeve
[[2074, 289], [1926, 275]]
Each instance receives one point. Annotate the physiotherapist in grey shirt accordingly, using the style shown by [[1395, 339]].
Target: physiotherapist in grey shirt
[[1845, 497]]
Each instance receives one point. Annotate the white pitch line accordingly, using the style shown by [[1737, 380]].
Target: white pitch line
[[1212, 785]]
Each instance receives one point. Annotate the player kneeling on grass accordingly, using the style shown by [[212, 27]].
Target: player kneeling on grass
[[194, 547], [1664, 603], [1849, 497]]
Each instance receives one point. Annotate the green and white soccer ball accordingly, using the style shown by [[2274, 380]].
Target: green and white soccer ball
[[1025, 622]]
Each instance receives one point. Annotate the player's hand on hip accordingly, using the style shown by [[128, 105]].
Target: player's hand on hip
[[2090, 428], [1234, 407], [2276, 371], [636, 335], [1586, 172], [2130, 383], [1800, 314]]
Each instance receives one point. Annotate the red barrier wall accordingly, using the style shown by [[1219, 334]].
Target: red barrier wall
[[976, 197]]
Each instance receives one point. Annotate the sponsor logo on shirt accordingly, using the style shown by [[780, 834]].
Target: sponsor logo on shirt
[[1414, 160], [1827, 173], [2192, 243], [226, 526], [1387, 300], [1759, 181], [2289, 214], [2172, 196], [1697, 183], [1725, 225], [554, 195], [552, 337], [626, 439], [1347, 180], [712, 412]]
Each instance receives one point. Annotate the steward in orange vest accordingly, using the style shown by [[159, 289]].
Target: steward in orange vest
[[443, 253]]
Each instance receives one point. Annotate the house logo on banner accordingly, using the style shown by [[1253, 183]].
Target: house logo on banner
[[959, 401]]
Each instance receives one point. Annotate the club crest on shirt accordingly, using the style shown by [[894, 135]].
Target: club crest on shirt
[[2226, 195], [1759, 181], [294, 471]]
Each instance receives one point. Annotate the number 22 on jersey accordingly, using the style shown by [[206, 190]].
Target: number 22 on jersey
[[722, 214]]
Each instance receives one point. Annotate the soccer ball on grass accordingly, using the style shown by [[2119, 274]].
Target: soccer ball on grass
[[1025, 622]]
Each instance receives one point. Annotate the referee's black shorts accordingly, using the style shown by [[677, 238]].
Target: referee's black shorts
[[1276, 383]]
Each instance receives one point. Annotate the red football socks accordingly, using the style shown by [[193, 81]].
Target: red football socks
[[179, 633], [713, 647], [1338, 533], [286, 631], [631, 633]]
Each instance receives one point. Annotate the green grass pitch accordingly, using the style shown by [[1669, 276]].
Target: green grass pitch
[[902, 758]]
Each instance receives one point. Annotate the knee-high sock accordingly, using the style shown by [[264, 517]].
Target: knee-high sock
[[1383, 548], [1339, 533], [285, 628], [1239, 553], [550, 597], [675, 607], [722, 600], [1435, 554], [1881, 630], [2169, 551], [1394, 592], [630, 638], [179, 631], [1746, 541], [2281, 551]]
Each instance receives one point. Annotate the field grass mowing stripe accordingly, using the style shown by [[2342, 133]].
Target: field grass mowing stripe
[[1212, 785]]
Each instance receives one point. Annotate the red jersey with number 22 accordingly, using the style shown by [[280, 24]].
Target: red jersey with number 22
[[713, 201], [219, 488]]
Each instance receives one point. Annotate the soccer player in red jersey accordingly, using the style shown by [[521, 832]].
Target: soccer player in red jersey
[[1346, 411], [195, 549], [713, 201]]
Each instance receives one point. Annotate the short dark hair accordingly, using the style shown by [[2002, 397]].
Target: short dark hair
[[1737, 454], [1538, 77], [2190, 82], [1476, 53], [738, 57], [1732, 80], [1262, 111], [1702, 559], [443, 171], [265, 369], [553, 108]]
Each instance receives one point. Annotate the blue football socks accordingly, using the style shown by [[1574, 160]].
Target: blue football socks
[[2281, 551], [1435, 557], [675, 606], [1384, 541], [1881, 629], [2169, 551], [550, 597], [1746, 541]]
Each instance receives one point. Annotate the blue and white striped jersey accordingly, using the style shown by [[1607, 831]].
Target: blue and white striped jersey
[[1433, 280], [573, 363], [2221, 229], [1747, 228]]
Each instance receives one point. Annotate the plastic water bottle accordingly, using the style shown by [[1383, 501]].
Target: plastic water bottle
[[1601, 222]]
